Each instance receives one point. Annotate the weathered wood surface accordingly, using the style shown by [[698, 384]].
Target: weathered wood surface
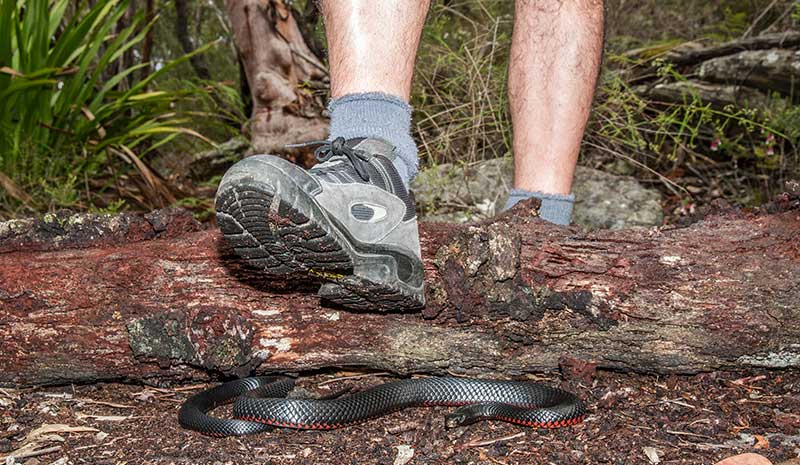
[[719, 96], [769, 70], [156, 299], [745, 73], [786, 40]]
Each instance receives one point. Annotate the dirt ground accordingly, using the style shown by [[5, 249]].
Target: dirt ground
[[633, 419]]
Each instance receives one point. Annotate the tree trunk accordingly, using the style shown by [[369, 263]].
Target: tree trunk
[[279, 66], [127, 57], [147, 45], [182, 32], [92, 298]]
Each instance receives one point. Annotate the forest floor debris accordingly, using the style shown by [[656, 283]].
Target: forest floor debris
[[633, 419]]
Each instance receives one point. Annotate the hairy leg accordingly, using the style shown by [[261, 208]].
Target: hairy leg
[[555, 60], [373, 44]]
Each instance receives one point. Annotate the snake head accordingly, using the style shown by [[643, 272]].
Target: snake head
[[465, 415], [453, 420]]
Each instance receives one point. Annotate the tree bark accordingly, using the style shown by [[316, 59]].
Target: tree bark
[[279, 66], [96, 298], [773, 70], [789, 39], [182, 32], [147, 45], [127, 57], [750, 64], [719, 96]]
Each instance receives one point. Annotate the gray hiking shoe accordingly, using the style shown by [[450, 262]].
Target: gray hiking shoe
[[349, 220]]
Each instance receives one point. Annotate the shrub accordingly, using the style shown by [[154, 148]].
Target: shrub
[[69, 107]]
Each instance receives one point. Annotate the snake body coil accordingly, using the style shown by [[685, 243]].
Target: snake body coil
[[260, 404]]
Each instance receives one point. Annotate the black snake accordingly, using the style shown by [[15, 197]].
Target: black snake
[[260, 404]]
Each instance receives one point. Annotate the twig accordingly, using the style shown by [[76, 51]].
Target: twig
[[751, 401], [670, 184], [100, 402], [35, 453], [90, 446], [177, 389], [10, 393], [493, 441], [758, 19], [783, 16], [701, 420], [748, 379], [677, 402], [363, 375], [84, 416], [113, 440], [685, 433]]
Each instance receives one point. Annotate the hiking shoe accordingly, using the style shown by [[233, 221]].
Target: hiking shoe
[[349, 220]]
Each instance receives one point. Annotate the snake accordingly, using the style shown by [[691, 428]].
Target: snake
[[260, 404]]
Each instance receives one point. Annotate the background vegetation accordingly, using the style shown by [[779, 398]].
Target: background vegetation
[[688, 149], [101, 101]]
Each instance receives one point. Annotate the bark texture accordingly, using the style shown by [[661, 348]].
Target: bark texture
[[786, 40], [87, 298], [770, 70], [744, 73], [718, 95], [182, 33], [281, 73]]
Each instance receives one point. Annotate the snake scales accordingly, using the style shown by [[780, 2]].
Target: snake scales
[[260, 404]]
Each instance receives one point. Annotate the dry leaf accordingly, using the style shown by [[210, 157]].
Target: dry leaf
[[652, 455], [13, 189], [153, 180], [28, 450], [761, 442], [54, 429], [8, 396], [404, 455], [11, 71]]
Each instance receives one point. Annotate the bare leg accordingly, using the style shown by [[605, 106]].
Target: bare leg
[[373, 44], [356, 203], [555, 59]]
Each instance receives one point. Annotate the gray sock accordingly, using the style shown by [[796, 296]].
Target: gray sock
[[556, 208], [381, 116]]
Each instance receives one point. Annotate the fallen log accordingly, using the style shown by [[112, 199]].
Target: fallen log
[[773, 70], [736, 72], [719, 96], [788, 39], [154, 298]]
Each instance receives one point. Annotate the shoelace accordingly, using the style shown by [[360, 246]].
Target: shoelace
[[336, 148]]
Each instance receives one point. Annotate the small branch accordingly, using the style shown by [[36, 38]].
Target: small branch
[[759, 18], [342, 378], [34, 453], [489, 442]]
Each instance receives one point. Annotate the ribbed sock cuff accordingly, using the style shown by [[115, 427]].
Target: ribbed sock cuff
[[381, 116], [556, 208]]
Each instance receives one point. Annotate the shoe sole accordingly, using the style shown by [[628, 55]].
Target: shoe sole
[[284, 232]]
